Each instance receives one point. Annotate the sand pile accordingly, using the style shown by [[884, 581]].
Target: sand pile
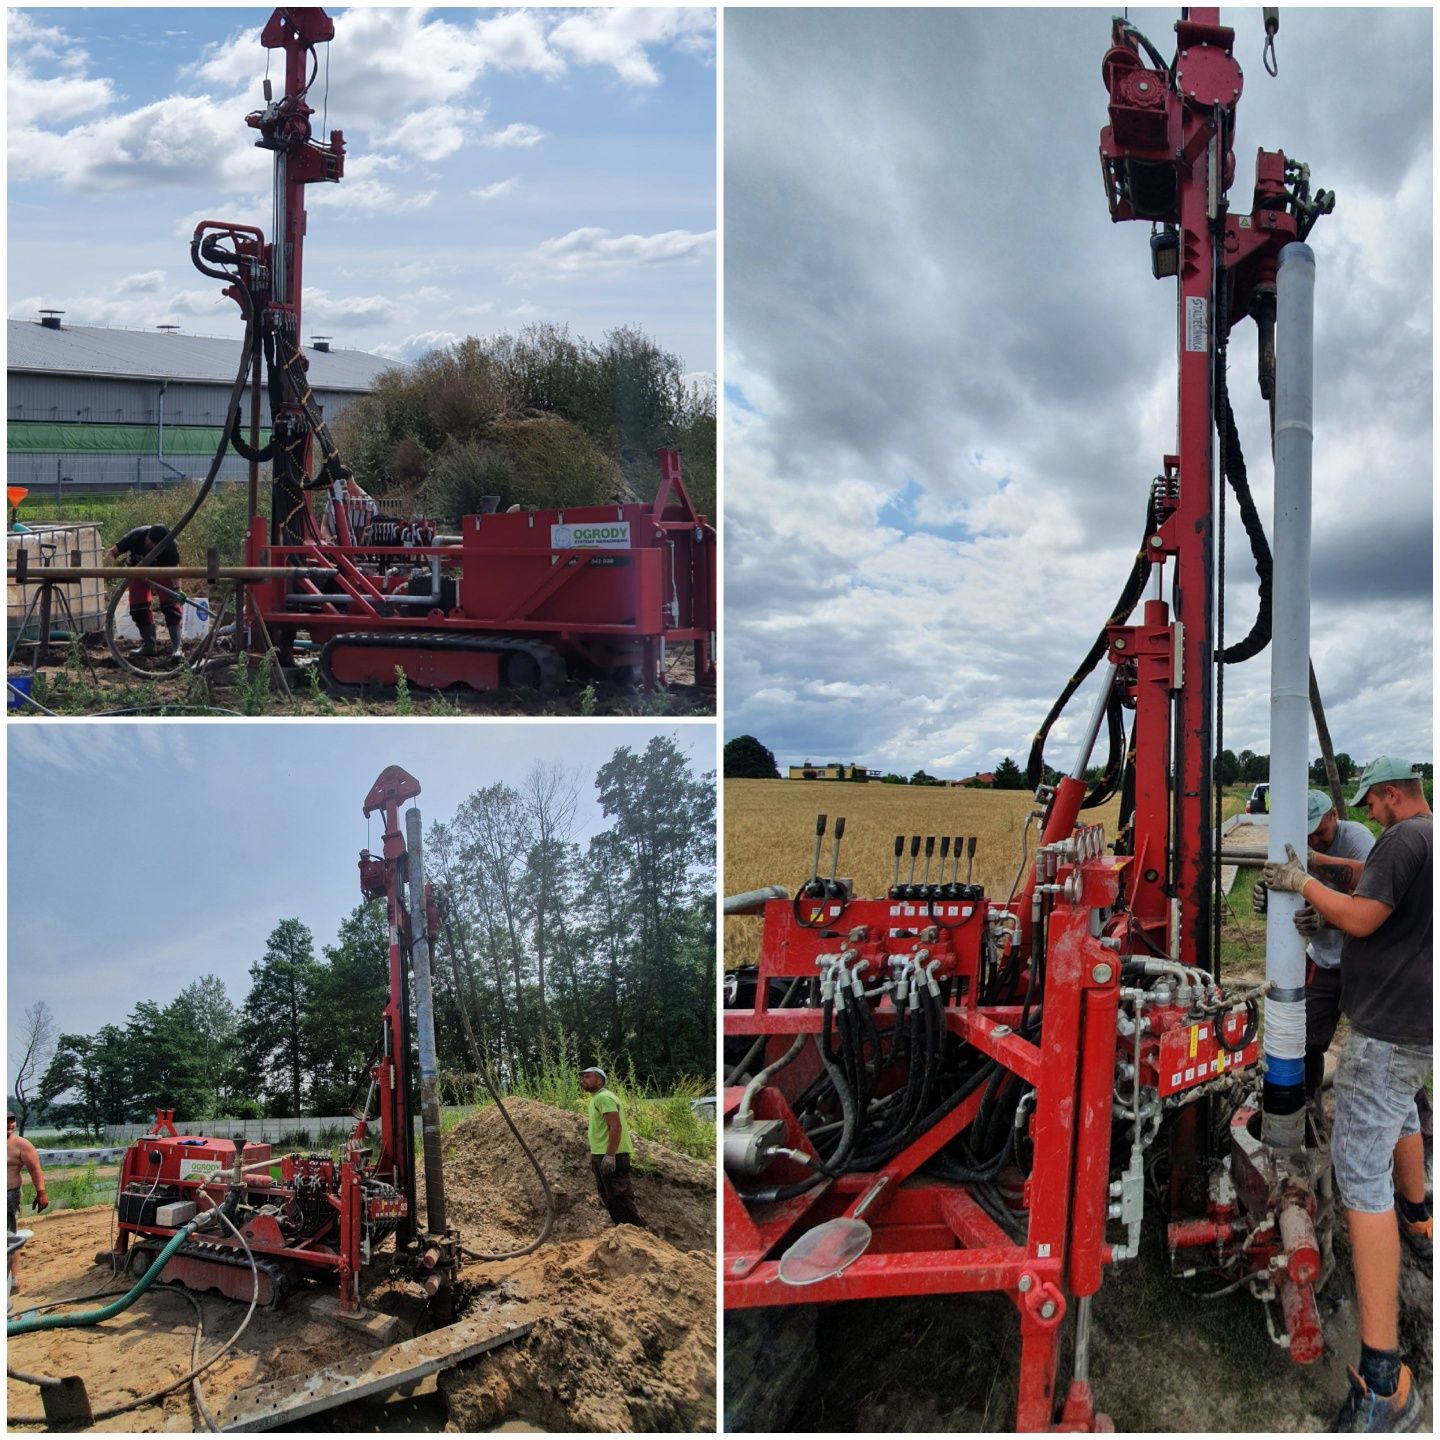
[[624, 1341], [493, 1198], [624, 1334]]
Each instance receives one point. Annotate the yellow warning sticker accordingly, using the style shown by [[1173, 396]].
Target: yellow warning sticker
[[1194, 1038]]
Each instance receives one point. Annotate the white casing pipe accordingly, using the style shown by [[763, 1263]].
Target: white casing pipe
[[1290, 665]]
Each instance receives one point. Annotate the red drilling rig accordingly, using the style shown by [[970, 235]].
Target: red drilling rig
[[940, 1091], [322, 1215], [517, 599]]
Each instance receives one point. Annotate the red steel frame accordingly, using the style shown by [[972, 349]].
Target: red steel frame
[[608, 608], [930, 1237]]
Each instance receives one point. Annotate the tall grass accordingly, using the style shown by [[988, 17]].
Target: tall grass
[[664, 1116]]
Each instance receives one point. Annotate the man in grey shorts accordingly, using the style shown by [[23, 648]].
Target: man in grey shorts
[[1376, 1145]]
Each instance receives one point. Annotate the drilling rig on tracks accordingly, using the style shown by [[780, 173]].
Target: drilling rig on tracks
[[321, 1215], [525, 598], [937, 1091]]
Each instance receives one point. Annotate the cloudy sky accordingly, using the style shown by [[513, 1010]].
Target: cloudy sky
[[950, 378], [502, 167], [143, 856]]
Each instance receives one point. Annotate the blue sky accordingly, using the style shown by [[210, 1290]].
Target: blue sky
[[950, 378], [502, 167], [144, 855]]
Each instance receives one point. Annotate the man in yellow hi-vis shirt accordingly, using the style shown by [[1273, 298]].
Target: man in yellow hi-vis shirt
[[610, 1149]]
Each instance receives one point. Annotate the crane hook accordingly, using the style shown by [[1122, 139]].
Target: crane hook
[[1272, 24]]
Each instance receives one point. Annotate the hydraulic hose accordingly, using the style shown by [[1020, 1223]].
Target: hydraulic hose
[[549, 1223], [28, 1324], [232, 415], [747, 1101]]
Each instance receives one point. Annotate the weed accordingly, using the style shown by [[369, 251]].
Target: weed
[[323, 704], [403, 703], [587, 698], [444, 705], [253, 688]]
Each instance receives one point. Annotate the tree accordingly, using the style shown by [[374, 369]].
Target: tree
[[207, 1021], [1009, 776], [1227, 768], [921, 778], [346, 999], [162, 1070], [85, 1082], [37, 1041], [747, 759], [282, 989]]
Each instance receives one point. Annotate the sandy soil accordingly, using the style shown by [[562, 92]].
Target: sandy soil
[[625, 1333]]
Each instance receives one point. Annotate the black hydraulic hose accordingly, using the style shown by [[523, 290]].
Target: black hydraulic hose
[[1130, 595], [834, 1163], [232, 416], [549, 1222], [1259, 637]]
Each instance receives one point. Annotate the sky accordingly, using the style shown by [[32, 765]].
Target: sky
[[949, 377], [502, 167], [142, 856]]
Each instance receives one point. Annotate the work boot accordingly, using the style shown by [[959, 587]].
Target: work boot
[[147, 639], [1365, 1412], [174, 627], [1419, 1235]]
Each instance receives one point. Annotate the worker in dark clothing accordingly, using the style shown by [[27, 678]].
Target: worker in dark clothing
[[137, 544], [610, 1149], [1376, 1146]]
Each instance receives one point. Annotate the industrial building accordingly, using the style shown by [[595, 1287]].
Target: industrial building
[[92, 408]]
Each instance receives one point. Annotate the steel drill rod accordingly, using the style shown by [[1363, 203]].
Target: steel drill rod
[[425, 1029], [35, 574]]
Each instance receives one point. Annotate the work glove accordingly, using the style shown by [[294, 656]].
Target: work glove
[[607, 1165], [1308, 921], [1289, 875], [41, 1202], [1259, 897]]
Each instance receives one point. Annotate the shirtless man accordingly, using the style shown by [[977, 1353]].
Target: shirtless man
[[20, 1155]]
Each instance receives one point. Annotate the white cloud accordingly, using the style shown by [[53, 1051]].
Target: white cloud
[[590, 249], [412, 347], [145, 283], [435, 132], [499, 188], [621, 38], [513, 137]]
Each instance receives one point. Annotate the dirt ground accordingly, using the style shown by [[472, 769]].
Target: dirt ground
[[110, 688], [1163, 1359], [625, 1319]]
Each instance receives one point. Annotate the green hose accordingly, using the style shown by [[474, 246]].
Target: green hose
[[27, 1324]]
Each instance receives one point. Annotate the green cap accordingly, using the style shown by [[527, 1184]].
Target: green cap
[[1317, 806], [1377, 772]]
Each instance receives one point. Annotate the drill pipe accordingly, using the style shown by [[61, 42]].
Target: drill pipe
[[425, 1030]]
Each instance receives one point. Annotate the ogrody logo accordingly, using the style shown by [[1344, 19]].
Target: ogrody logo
[[612, 535]]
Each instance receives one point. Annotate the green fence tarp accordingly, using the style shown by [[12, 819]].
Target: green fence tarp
[[44, 437]]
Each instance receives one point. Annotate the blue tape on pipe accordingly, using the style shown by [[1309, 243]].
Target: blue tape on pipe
[[1284, 1072]]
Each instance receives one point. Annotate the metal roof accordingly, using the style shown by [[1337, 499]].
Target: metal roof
[[167, 355]]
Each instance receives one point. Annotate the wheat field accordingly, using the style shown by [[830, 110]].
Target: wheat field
[[770, 837]]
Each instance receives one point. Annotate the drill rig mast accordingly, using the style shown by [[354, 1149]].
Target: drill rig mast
[[957, 1094]]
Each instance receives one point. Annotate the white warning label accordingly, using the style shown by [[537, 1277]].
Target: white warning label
[[1197, 323]]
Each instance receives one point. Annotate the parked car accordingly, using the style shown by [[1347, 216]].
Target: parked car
[[1259, 801]]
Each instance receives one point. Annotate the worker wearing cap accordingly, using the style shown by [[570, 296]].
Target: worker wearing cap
[[610, 1148], [137, 544], [1331, 840], [1376, 1145]]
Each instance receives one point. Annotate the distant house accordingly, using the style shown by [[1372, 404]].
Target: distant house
[[988, 778], [807, 771]]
